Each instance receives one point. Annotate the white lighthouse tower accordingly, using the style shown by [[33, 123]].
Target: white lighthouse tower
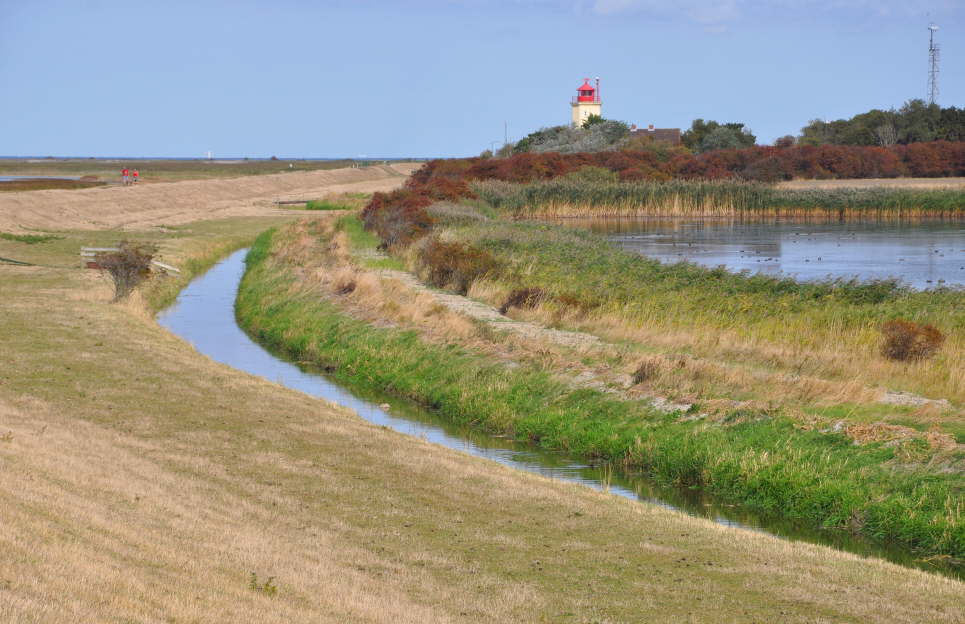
[[586, 102]]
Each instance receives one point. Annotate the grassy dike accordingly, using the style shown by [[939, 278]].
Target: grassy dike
[[763, 460]]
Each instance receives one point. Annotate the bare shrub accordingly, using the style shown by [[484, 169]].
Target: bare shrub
[[127, 267], [906, 340], [523, 298]]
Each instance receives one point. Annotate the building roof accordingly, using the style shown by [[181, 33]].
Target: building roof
[[670, 135], [586, 86]]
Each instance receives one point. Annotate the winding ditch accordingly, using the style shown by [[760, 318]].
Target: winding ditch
[[203, 315]]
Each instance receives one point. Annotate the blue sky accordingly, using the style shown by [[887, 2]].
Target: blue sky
[[336, 78]]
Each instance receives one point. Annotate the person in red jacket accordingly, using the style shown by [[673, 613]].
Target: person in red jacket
[[134, 177], [124, 176]]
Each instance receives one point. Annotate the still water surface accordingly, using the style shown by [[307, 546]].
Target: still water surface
[[922, 254], [204, 316]]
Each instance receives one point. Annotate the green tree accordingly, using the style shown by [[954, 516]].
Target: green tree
[[721, 138], [918, 122], [737, 135], [915, 121]]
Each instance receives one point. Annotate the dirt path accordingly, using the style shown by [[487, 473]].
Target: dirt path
[[176, 203], [488, 314]]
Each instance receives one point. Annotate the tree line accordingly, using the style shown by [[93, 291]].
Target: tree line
[[915, 122]]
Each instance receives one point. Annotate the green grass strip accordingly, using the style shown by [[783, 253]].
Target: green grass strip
[[324, 204], [30, 239]]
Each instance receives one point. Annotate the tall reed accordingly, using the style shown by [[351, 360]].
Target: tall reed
[[566, 198]]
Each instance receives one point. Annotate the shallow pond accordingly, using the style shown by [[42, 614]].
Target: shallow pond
[[204, 316], [923, 254]]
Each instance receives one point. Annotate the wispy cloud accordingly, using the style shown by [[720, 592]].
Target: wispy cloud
[[717, 14]]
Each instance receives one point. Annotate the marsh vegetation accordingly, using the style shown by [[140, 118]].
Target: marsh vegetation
[[766, 452]]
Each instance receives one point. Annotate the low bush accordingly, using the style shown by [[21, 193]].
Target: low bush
[[453, 265], [760, 163], [399, 217], [906, 340]]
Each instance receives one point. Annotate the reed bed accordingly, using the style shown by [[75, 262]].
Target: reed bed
[[567, 198]]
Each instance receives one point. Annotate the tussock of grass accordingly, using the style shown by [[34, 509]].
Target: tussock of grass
[[761, 458]]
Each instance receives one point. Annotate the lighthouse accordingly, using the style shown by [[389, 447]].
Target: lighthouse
[[586, 102]]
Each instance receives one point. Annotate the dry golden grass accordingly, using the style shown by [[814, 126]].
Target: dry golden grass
[[808, 368], [176, 203], [140, 481]]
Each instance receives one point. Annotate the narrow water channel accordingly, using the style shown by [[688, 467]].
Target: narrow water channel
[[204, 316]]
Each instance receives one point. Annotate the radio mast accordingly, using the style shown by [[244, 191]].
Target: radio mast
[[933, 51]]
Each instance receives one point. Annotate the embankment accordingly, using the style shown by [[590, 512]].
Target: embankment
[[176, 203]]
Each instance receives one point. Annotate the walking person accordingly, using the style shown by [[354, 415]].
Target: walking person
[[125, 174], [134, 177]]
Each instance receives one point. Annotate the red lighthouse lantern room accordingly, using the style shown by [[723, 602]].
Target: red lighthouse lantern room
[[587, 92]]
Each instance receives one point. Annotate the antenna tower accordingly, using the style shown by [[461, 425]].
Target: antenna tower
[[933, 51]]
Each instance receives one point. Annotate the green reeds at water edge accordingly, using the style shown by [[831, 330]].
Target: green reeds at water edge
[[566, 198]]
